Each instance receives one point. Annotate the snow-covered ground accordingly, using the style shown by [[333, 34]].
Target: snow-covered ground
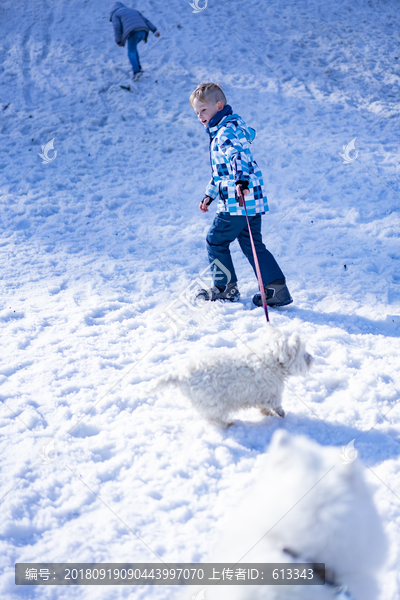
[[96, 244]]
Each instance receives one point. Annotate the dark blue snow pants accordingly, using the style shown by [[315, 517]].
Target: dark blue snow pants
[[225, 229], [133, 55]]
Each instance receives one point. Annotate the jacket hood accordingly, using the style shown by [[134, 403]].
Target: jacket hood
[[236, 120], [249, 132], [115, 7]]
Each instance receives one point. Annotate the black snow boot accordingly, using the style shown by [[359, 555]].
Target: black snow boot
[[227, 292], [276, 293]]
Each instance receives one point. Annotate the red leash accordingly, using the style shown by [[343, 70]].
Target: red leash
[[260, 281]]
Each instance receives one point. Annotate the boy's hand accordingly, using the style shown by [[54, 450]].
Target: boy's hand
[[120, 44], [241, 191], [204, 204], [157, 34]]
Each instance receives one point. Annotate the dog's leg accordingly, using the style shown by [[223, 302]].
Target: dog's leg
[[220, 424], [268, 412], [279, 411]]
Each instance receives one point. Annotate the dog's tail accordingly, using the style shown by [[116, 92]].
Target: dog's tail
[[163, 382]]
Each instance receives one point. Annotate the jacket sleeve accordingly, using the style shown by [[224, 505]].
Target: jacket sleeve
[[232, 148], [149, 24], [212, 190], [116, 21]]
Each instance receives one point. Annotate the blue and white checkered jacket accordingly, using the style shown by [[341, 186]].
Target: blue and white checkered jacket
[[232, 161]]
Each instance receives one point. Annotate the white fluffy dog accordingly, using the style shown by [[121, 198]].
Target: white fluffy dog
[[225, 380], [307, 501]]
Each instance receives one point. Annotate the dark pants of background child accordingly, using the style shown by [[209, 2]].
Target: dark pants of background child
[[225, 229], [133, 40]]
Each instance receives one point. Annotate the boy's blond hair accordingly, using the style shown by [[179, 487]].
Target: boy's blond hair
[[209, 93]]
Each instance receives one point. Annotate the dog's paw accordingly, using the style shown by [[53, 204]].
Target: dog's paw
[[279, 411], [267, 412], [219, 424]]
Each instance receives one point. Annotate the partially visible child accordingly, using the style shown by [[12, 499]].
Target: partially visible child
[[129, 24], [234, 174]]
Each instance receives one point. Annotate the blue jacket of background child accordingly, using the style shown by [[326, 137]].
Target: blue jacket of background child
[[128, 20], [232, 161]]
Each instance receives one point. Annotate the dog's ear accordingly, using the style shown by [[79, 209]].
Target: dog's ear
[[309, 360]]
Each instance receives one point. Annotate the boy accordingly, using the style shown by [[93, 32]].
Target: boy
[[129, 24], [234, 174]]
